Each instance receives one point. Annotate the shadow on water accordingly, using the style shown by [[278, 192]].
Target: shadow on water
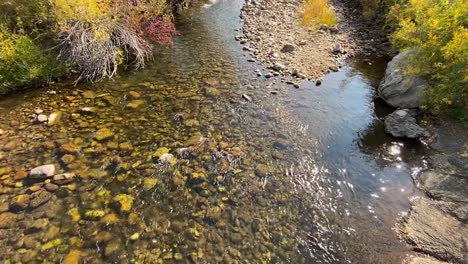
[[307, 176]]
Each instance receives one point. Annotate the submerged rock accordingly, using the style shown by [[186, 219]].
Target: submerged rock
[[7, 220], [20, 202], [168, 158], [65, 178], [401, 124], [124, 202], [39, 198], [54, 118], [44, 171], [103, 134], [400, 88]]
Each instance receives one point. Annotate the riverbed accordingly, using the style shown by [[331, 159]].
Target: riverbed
[[198, 158]]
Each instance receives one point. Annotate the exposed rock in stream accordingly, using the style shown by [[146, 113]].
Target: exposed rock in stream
[[401, 124], [400, 88]]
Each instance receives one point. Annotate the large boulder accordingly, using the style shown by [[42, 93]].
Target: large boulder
[[401, 124], [399, 88]]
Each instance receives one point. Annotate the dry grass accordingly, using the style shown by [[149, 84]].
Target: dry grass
[[318, 12]]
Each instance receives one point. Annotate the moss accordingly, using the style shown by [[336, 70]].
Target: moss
[[149, 183]]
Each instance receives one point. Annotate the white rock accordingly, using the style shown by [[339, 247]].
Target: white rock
[[44, 171]]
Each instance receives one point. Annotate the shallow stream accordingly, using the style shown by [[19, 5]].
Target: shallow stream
[[291, 176]]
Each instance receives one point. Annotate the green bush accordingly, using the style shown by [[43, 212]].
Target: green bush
[[436, 30], [22, 61]]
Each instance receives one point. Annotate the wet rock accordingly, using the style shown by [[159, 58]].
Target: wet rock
[[12, 144], [5, 171], [432, 231], [20, 202], [400, 88], [191, 122], [88, 110], [54, 118], [68, 159], [20, 175], [112, 248], [51, 187], [288, 48], [44, 171], [134, 237], [103, 134], [39, 198], [70, 148], [89, 95], [30, 242], [149, 183], [168, 159], [212, 92], [41, 118], [160, 151], [7, 220], [135, 104], [213, 213], [194, 140], [126, 146], [38, 111], [262, 170], [94, 214], [73, 257], [124, 202], [51, 244], [337, 49], [134, 94], [401, 124], [65, 178]]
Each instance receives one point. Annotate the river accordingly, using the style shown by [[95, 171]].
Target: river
[[301, 175]]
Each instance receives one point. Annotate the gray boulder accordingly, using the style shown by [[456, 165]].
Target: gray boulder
[[401, 124], [399, 88]]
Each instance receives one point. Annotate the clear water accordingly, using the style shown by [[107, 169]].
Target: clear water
[[303, 176]]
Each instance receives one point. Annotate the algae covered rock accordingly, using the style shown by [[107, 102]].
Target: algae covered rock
[[160, 151], [94, 214], [103, 134], [149, 183], [124, 202]]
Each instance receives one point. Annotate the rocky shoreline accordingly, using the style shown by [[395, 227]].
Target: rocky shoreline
[[274, 34]]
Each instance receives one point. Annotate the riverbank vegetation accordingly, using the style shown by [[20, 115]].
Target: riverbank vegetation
[[434, 29], [41, 40], [318, 12]]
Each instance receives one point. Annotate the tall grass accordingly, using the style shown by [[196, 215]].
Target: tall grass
[[318, 12]]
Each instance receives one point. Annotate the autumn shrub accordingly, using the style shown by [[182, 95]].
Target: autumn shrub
[[99, 35], [436, 30], [318, 12]]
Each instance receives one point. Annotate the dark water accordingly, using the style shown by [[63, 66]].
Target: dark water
[[304, 176]]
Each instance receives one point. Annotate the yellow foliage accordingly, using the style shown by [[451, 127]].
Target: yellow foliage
[[318, 12], [90, 11]]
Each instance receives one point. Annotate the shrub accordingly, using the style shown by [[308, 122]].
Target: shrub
[[22, 61], [99, 35], [318, 12], [436, 29]]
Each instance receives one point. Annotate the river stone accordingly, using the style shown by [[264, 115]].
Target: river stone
[[430, 229], [19, 202], [399, 88], [160, 151], [89, 95], [7, 220], [288, 48], [168, 158], [41, 118], [103, 134], [54, 118], [70, 148], [39, 198], [278, 67], [51, 187], [135, 104], [44, 171], [401, 124], [65, 178]]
